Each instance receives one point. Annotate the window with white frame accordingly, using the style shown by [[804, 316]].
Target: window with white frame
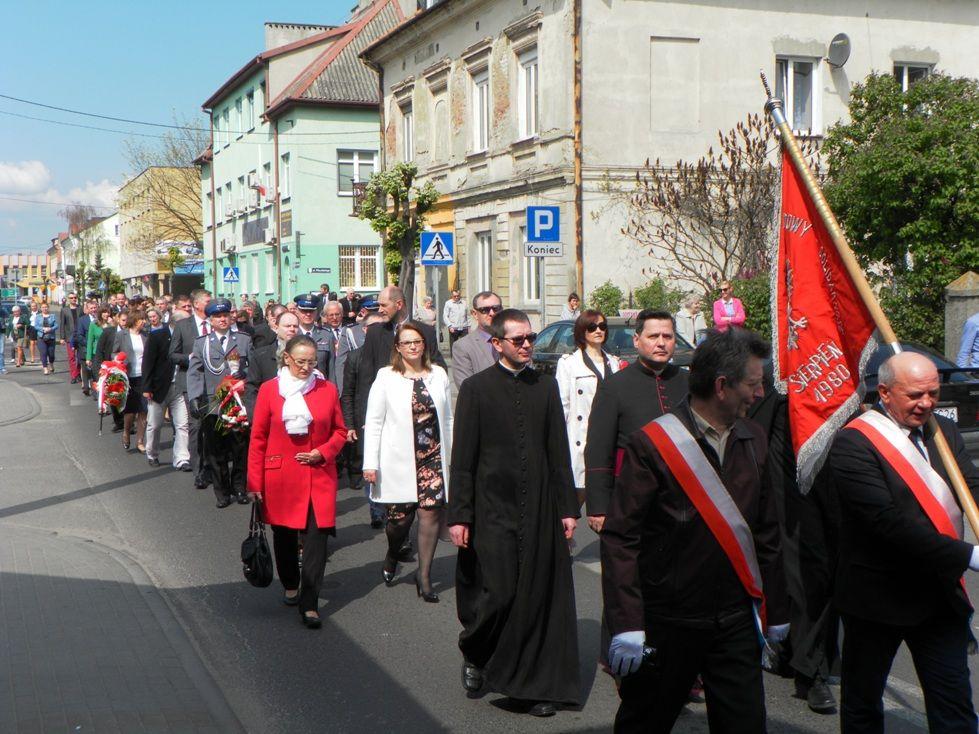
[[229, 203], [482, 261], [354, 166], [243, 274], [253, 279], [239, 118], [220, 206], [359, 265], [207, 209], [249, 111], [908, 74], [531, 271], [285, 186], [407, 135], [527, 104], [269, 272], [216, 123], [796, 83], [480, 110], [226, 126], [267, 177]]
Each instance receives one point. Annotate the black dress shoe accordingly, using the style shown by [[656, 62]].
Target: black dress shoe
[[388, 571], [290, 601], [223, 502], [242, 499], [542, 708], [313, 623], [377, 524], [200, 483], [431, 597], [472, 677], [117, 429], [183, 466], [820, 697], [153, 462], [405, 552]]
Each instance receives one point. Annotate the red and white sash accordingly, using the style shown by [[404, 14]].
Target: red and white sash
[[927, 486], [699, 481]]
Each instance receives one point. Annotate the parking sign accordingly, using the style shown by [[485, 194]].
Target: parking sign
[[543, 224]]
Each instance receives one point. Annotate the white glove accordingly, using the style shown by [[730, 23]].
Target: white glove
[[625, 652], [776, 633], [974, 561]]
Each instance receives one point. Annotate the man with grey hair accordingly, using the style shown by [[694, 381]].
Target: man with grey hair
[[903, 552], [162, 395], [474, 352], [690, 319], [456, 318]]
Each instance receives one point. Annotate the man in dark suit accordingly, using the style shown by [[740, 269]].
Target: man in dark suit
[[306, 309], [67, 321], [902, 553], [379, 341], [351, 304], [161, 395], [264, 363], [185, 333], [353, 402], [103, 353], [80, 335]]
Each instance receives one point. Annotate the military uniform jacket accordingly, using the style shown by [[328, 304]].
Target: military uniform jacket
[[209, 358], [324, 348]]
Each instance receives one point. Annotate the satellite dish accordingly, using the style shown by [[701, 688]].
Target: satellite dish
[[839, 50]]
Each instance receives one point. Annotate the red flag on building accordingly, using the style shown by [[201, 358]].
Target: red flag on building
[[823, 331]]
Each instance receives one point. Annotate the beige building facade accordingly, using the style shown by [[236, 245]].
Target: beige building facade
[[481, 95]]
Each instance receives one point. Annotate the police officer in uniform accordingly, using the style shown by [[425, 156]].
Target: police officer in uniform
[[307, 309], [217, 355]]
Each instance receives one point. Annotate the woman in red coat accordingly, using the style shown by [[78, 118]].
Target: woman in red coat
[[297, 432]]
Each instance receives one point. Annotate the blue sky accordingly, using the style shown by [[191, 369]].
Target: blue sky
[[140, 60]]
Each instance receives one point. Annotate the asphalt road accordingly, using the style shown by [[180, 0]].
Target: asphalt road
[[383, 660]]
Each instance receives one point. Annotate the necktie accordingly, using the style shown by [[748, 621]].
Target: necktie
[[223, 338], [204, 330], [918, 439]]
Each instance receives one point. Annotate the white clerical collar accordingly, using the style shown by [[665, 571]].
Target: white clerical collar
[[512, 371]]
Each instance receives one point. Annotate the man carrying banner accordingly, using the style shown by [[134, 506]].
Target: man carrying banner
[[902, 553], [691, 570]]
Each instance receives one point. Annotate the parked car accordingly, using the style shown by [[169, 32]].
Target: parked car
[[958, 398], [557, 339]]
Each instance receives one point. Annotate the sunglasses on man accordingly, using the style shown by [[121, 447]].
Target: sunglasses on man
[[518, 341], [487, 310]]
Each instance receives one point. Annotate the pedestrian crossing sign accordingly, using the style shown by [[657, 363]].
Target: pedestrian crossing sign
[[231, 275], [438, 248]]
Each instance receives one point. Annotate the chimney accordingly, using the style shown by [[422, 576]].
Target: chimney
[[280, 34]]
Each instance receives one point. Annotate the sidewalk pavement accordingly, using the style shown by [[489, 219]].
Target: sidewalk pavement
[[91, 646], [16, 404]]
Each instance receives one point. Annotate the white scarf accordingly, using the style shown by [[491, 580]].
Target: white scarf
[[295, 412]]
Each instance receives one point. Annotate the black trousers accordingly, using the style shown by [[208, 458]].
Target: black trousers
[[285, 543], [939, 649], [224, 454], [727, 656]]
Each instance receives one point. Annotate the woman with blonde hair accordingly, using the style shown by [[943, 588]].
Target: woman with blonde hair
[[407, 444]]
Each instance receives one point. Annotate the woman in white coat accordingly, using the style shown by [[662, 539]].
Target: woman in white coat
[[407, 444], [578, 377]]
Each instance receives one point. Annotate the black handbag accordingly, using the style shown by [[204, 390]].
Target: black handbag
[[256, 558]]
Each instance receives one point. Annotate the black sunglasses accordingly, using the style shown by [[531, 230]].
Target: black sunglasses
[[486, 310], [518, 341], [600, 326]]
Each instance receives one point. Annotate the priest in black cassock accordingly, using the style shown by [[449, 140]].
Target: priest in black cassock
[[512, 510]]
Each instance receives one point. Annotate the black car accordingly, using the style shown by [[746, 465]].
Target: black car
[[557, 339], [958, 398]]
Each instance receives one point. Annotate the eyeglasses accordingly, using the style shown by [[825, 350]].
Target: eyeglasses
[[518, 341], [600, 326], [411, 343], [310, 363], [486, 310]]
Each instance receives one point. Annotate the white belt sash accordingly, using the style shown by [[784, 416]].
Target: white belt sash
[[699, 481], [932, 492]]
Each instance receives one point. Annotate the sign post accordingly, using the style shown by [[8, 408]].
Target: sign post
[[438, 250], [543, 240]]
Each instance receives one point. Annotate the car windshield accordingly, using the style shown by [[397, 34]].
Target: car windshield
[[883, 352], [559, 339]]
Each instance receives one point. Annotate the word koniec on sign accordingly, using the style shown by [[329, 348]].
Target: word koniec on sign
[[543, 249]]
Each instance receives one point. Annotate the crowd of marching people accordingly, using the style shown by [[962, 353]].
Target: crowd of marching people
[[713, 560]]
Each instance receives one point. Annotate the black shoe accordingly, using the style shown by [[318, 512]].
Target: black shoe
[[542, 708], [313, 623], [290, 601], [183, 466], [820, 697], [472, 677], [153, 462], [377, 524], [405, 552], [223, 502], [388, 571], [242, 499], [431, 597], [117, 429], [199, 482]]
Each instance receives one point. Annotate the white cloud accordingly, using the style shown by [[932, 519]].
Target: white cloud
[[26, 177], [100, 194]]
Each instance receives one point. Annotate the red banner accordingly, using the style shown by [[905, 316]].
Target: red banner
[[823, 332]]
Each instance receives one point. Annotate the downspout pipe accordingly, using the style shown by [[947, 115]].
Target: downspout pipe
[[214, 221], [579, 248], [278, 209], [380, 142]]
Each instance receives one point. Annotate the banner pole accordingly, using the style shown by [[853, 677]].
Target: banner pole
[[774, 108]]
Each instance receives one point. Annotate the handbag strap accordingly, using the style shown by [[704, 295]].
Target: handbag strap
[[256, 526]]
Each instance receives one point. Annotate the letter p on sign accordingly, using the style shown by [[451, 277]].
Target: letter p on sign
[[543, 224]]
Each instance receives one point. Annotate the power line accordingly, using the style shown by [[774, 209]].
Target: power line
[[55, 203], [187, 128]]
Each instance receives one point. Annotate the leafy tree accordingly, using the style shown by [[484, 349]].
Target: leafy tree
[[607, 298], [904, 181], [658, 294], [396, 209]]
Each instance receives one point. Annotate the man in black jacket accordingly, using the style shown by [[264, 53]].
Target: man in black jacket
[[265, 331], [669, 584], [353, 402], [264, 363], [161, 395], [351, 304], [625, 402], [70, 313], [902, 552]]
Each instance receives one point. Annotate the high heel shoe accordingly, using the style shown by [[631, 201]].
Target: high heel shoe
[[389, 575], [431, 597]]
